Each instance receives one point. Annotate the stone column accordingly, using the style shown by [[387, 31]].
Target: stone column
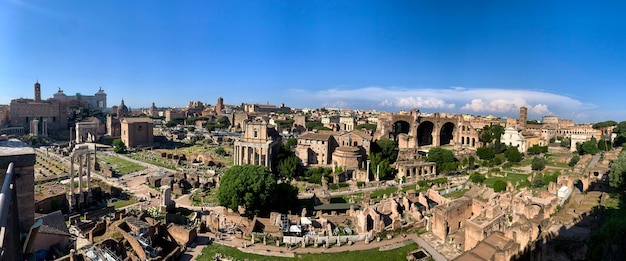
[[81, 159], [267, 158], [71, 179], [88, 200]]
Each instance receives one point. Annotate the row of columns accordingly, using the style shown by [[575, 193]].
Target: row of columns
[[252, 155], [75, 199]]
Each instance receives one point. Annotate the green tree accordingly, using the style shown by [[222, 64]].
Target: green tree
[[290, 143], [221, 151], [477, 177], [499, 159], [617, 175], [574, 160], [315, 125], [380, 163], [367, 126], [513, 155], [289, 167], [620, 128], [485, 153], [442, 157], [223, 122], [619, 141], [499, 185], [471, 161], [119, 146], [253, 187], [387, 148], [485, 135], [536, 150], [604, 124], [604, 145], [538, 164], [191, 129], [588, 147], [316, 175], [538, 181]]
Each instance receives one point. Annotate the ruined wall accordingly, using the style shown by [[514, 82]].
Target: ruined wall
[[480, 228], [451, 217], [182, 235]]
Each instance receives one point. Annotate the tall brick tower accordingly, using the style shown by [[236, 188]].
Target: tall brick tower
[[37, 91], [219, 106], [523, 117]]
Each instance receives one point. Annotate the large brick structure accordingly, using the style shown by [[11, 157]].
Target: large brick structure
[[137, 132], [54, 112]]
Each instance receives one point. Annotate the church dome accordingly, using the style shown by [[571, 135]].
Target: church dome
[[122, 110]]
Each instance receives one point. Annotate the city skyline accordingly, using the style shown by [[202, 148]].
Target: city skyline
[[476, 58]]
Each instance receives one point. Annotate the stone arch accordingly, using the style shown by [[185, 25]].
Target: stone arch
[[370, 223], [200, 159], [446, 134], [425, 133], [398, 128]]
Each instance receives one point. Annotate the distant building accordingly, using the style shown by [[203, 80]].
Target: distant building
[[258, 145], [153, 112], [137, 132], [514, 138], [267, 108], [96, 101], [219, 106], [174, 113]]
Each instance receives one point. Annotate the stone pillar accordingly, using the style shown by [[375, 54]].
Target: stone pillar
[[88, 197], [71, 199], [81, 158], [267, 158]]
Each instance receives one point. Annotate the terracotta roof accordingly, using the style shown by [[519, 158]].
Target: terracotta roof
[[134, 120], [315, 136]]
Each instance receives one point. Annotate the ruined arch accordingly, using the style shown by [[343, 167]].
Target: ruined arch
[[398, 128], [446, 134], [370, 223], [425, 133]]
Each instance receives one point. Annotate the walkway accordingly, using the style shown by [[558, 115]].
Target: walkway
[[271, 250]]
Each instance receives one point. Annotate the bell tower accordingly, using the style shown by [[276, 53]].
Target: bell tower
[[37, 91]]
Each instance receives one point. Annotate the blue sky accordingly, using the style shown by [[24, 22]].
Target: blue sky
[[564, 58]]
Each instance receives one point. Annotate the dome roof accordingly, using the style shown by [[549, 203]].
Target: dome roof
[[122, 110]]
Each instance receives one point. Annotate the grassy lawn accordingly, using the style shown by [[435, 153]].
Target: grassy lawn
[[511, 177], [200, 197], [526, 162], [372, 254], [121, 165], [123, 203], [151, 158], [457, 194], [379, 193]]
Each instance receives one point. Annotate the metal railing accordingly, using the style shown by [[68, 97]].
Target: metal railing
[[6, 196]]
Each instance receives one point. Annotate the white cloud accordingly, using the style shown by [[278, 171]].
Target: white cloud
[[419, 102], [541, 109], [499, 102], [385, 103]]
